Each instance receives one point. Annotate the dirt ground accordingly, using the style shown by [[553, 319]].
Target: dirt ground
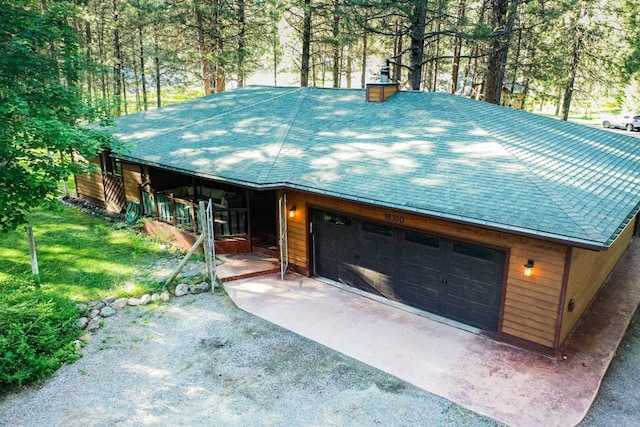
[[201, 360]]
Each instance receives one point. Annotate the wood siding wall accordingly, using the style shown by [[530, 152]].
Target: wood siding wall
[[531, 304], [91, 186], [589, 270], [132, 182]]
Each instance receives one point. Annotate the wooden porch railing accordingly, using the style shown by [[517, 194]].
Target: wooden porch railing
[[182, 213]]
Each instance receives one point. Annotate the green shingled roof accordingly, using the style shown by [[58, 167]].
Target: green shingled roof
[[431, 153]]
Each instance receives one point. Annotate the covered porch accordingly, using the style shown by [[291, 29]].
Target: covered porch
[[244, 219]]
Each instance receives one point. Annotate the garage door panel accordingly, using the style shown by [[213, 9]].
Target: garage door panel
[[422, 298], [466, 311], [486, 274], [461, 271], [386, 250], [453, 279], [431, 257], [410, 257], [358, 277], [473, 290]]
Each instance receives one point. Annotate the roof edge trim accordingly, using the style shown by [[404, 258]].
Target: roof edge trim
[[495, 226]]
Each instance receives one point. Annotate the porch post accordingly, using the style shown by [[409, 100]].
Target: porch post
[[246, 197], [173, 209], [155, 204]]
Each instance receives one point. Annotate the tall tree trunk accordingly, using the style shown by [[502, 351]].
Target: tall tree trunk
[[217, 36], [117, 67], [418, 21], [363, 74], [102, 56], [397, 50], [306, 45], [124, 95], [275, 52], [206, 68], [242, 41], [457, 46], [156, 61], [578, 44], [89, 75], [503, 14], [136, 77], [349, 70], [143, 76], [436, 63], [337, 45]]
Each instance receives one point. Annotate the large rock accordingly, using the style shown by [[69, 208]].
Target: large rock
[[93, 313], [83, 322], [155, 297], [109, 300], [133, 301], [144, 300], [181, 290], [164, 296], [203, 287], [120, 303], [97, 305], [94, 324], [107, 312]]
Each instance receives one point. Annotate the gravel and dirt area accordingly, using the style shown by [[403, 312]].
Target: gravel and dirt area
[[201, 360]]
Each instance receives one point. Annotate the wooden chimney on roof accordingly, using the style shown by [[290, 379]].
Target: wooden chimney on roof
[[380, 92]]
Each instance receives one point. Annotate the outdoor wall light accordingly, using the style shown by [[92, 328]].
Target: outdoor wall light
[[528, 268], [292, 211]]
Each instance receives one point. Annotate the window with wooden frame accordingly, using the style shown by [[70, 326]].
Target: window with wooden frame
[[111, 165]]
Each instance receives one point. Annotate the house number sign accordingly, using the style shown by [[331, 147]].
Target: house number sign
[[394, 218]]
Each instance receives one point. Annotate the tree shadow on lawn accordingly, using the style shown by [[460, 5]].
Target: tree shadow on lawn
[[79, 256]]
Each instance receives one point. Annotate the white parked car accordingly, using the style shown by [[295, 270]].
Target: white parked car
[[623, 121]]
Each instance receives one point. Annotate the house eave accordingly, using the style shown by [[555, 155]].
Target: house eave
[[489, 225], [576, 242]]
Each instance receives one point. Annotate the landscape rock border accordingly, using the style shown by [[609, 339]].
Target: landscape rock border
[[97, 310]]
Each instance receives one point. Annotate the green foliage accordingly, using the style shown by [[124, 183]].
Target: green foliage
[[37, 333], [40, 106], [81, 257]]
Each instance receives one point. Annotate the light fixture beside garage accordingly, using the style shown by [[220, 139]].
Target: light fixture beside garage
[[528, 268], [292, 211]]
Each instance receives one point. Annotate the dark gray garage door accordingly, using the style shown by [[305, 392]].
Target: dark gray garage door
[[457, 280]]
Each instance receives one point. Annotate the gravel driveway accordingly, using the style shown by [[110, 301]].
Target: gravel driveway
[[200, 360]]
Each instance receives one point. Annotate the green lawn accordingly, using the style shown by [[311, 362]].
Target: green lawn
[[80, 256]]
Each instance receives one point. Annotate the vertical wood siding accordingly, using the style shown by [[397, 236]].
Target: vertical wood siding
[[530, 303], [132, 181], [91, 185], [589, 270]]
